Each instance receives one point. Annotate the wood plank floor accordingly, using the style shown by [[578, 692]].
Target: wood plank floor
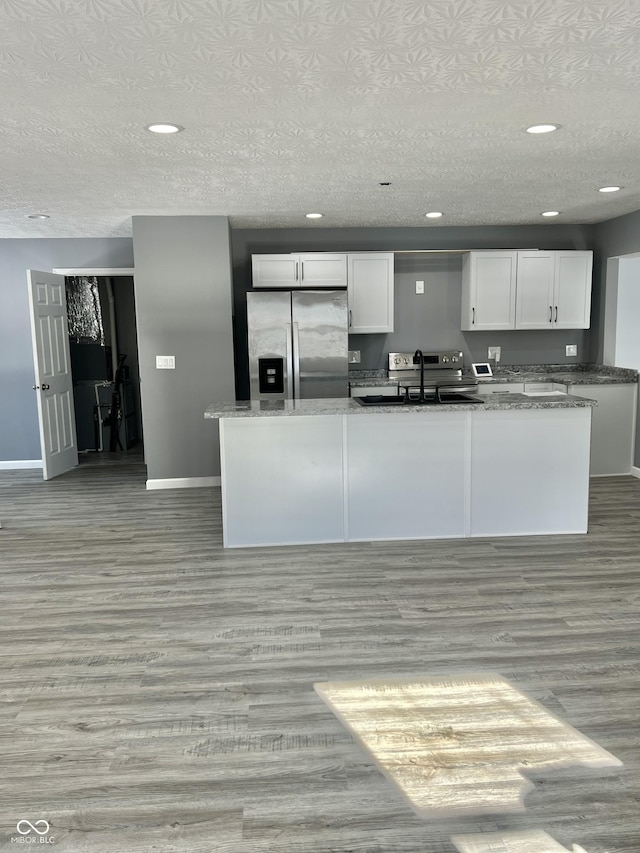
[[157, 691]]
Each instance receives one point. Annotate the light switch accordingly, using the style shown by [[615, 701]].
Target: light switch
[[571, 349], [419, 286], [165, 362]]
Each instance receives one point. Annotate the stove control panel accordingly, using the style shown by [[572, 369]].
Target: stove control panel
[[449, 359]]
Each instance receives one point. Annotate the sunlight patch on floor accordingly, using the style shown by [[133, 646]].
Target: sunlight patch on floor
[[458, 745], [532, 841]]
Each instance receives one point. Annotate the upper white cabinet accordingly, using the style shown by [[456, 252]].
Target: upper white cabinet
[[311, 269], [368, 277], [526, 290], [489, 290], [370, 292], [554, 290]]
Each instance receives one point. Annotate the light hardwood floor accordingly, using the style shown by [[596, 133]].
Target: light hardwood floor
[[157, 690]]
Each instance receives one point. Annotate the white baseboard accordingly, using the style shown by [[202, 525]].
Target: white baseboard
[[635, 472], [14, 464], [184, 483]]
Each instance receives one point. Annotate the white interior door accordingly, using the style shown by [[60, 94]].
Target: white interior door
[[52, 363]]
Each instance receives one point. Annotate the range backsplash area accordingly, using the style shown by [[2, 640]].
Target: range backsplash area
[[432, 320]]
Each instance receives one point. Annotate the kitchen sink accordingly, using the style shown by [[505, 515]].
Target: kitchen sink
[[401, 400], [381, 400]]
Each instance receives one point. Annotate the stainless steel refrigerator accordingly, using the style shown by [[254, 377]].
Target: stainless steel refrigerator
[[298, 344]]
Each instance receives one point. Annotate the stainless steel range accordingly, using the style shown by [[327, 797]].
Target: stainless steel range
[[442, 373]]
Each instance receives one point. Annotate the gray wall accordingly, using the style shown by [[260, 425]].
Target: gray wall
[[432, 320], [620, 236], [19, 437], [183, 307]]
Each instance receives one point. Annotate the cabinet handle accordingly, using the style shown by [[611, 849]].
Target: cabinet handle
[[473, 316], [301, 270], [556, 313], [296, 270], [551, 313], [350, 318]]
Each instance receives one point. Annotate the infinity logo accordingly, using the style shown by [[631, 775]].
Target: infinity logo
[[32, 826]]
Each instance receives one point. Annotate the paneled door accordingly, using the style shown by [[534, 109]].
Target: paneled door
[[52, 363]]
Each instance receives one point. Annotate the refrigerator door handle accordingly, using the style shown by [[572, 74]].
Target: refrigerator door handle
[[289, 388], [296, 362]]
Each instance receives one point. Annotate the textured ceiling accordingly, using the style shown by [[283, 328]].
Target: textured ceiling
[[291, 106]]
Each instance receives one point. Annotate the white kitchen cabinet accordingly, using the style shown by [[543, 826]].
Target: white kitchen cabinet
[[310, 269], [485, 388], [370, 292], [613, 427], [526, 290], [489, 290], [553, 290], [572, 290]]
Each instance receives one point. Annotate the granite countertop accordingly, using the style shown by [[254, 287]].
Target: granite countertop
[[349, 406], [567, 374]]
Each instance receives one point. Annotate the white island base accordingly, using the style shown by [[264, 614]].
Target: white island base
[[406, 475]]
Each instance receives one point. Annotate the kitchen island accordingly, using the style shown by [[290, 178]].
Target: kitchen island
[[331, 470]]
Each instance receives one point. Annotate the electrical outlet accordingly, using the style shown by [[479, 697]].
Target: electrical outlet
[[571, 349], [419, 286], [165, 362], [494, 353], [354, 356]]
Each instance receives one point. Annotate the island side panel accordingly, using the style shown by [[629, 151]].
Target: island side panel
[[406, 475], [530, 472], [281, 480]]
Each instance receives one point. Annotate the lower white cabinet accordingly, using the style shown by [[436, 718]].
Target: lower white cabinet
[[420, 475], [282, 480], [529, 472], [613, 427], [405, 475], [485, 388]]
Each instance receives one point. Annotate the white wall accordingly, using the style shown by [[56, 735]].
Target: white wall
[[627, 340]]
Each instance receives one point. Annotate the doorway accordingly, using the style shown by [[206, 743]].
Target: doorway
[[104, 365], [621, 342], [622, 312]]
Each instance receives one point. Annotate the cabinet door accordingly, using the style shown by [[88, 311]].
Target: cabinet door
[[323, 269], [485, 388], [370, 289], [489, 291], [572, 293], [534, 290], [613, 427], [275, 271]]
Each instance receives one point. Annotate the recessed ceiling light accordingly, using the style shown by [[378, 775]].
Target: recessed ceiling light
[[314, 215], [164, 128], [37, 216], [435, 214], [542, 128], [609, 189], [551, 213]]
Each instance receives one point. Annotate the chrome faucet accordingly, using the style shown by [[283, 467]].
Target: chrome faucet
[[418, 353]]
